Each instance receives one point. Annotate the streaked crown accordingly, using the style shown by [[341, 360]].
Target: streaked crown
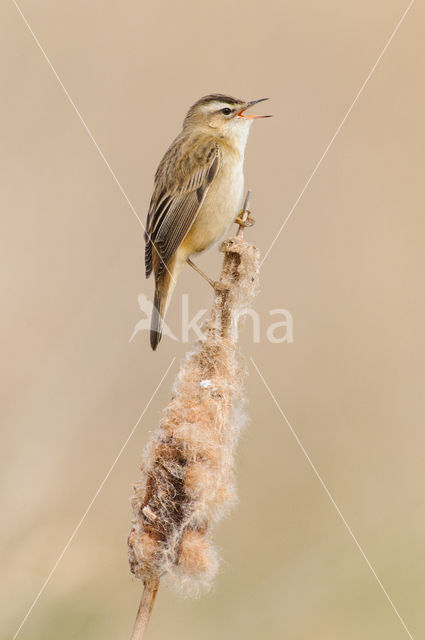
[[213, 103]]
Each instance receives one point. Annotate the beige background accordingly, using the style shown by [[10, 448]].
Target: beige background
[[349, 266]]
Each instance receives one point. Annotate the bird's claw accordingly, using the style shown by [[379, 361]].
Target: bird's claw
[[219, 286], [248, 222]]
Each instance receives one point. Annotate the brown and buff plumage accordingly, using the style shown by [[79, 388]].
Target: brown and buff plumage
[[197, 193]]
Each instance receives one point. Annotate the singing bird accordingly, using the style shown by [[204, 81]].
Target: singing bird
[[197, 193]]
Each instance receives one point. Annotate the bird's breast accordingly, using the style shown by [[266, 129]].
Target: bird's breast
[[220, 207]]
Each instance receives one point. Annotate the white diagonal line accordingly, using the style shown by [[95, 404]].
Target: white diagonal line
[[336, 132], [89, 133], [328, 493], [74, 533]]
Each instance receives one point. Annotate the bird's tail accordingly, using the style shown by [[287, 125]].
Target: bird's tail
[[164, 286]]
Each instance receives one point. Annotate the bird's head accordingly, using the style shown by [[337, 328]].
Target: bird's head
[[221, 115]]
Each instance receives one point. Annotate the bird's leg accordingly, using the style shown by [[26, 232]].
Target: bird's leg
[[247, 222], [217, 286], [201, 273]]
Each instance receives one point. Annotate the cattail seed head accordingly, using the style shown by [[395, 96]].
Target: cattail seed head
[[188, 480]]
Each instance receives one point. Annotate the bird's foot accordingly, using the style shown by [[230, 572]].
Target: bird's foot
[[217, 286], [248, 222], [220, 287]]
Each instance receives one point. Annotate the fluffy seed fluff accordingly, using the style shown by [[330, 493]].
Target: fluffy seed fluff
[[188, 480]]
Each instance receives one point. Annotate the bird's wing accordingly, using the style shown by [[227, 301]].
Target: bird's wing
[[182, 182]]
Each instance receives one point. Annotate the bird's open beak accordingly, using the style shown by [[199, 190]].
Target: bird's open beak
[[241, 113]]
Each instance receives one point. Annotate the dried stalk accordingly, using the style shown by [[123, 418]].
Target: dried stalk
[[188, 468], [150, 589]]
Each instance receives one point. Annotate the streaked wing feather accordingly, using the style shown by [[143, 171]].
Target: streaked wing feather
[[174, 206], [174, 228]]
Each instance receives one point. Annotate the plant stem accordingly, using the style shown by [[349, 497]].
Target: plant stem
[[150, 590]]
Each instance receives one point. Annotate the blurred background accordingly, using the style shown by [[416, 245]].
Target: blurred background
[[348, 266]]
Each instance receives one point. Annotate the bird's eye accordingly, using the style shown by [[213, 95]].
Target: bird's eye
[[226, 111]]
